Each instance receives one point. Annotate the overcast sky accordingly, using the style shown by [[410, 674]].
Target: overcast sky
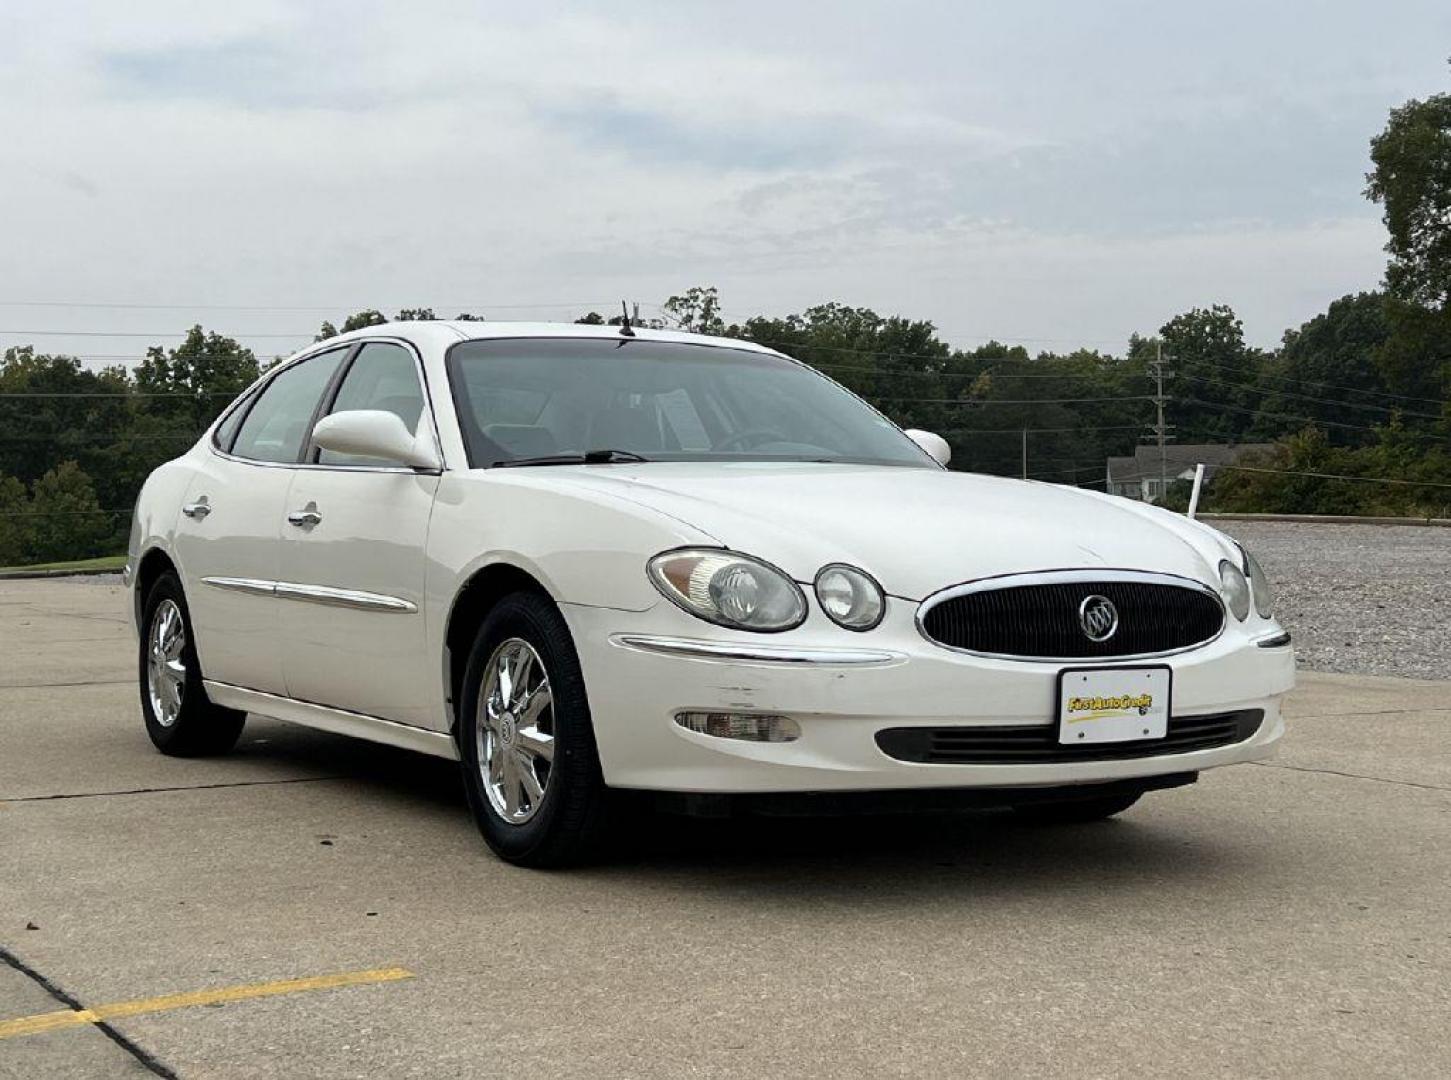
[[1057, 173]]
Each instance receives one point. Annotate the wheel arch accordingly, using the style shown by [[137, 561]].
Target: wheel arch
[[471, 605], [151, 566]]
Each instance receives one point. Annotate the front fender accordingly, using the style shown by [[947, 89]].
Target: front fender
[[582, 546]]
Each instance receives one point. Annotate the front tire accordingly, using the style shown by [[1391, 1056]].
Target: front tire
[[1075, 811], [530, 766], [180, 718]]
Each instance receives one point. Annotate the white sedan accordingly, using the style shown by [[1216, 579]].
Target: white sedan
[[580, 559]]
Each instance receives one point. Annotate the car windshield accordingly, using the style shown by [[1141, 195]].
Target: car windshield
[[527, 398]]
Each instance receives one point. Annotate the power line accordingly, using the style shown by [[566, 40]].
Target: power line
[[138, 334], [1044, 431], [1308, 419], [67, 439], [1338, 476], [58, 513], [879, 373], [1011, 401], [780, 345], [1262, 374], [1317, 400], [46, 394], [123, 306]]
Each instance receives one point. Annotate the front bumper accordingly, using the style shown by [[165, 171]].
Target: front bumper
[[641, 668]]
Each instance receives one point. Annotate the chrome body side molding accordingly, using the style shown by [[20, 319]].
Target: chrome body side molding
[[750, 652], [337, 721], [316, 594], [348, 598], [256, 586]]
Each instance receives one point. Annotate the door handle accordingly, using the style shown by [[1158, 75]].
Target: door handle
[[306, 517], [196, 510]]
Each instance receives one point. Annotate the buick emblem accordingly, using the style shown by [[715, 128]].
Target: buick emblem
[[1098, 618]]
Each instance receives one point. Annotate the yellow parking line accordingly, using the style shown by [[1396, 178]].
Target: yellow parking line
[[31, 1025]]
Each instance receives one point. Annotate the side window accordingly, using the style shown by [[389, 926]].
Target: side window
[[382, 376], [227, 429], [278, 423]]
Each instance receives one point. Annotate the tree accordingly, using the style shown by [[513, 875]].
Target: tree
[[1412, 181], [66, 520], [14, 521], [696, 310], [52, 409], [355, 321], [190, 384], [1215, 374], [1326, 370]]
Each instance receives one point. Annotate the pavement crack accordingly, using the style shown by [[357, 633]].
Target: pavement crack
[[80, 682], [1372, 712], [147, 1060], [1350, 775], [179, 787]]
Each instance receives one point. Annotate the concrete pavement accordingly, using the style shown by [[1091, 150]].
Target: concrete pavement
[[1283, 919]]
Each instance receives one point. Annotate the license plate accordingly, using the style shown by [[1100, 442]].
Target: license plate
[[1107, 705]]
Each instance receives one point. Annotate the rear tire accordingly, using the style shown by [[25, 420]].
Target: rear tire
[[530, 766], [1075, 811], [180, 718]]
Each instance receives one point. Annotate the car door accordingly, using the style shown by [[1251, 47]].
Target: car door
[[351, 597], [229, 538]]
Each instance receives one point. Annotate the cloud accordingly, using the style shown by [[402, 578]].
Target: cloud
[[1037, 169]]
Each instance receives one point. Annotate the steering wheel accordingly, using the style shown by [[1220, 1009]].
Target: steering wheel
[[756, 436]]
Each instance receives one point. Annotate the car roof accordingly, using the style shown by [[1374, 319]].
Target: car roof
[[444, 332]]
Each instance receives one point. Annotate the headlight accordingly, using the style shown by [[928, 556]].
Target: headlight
[[850, 597], [1264, 596], [1234, 588], [729, 589]]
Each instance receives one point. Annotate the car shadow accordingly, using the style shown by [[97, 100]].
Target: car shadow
[[901, 857], [867, 857]]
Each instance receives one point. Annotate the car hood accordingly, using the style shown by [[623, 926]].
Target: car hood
[[915, 530]]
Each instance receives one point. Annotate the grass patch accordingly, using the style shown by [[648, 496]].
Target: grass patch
[[105, 562]]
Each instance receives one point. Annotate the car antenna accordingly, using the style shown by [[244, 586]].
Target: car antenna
[[626, 330]]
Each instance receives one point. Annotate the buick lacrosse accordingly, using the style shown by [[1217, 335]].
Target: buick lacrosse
[[581, 559]]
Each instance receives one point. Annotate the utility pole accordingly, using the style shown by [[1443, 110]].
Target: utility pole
[[1025, 453], [1161, 429]]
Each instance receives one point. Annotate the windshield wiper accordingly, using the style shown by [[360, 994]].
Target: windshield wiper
[[589, 457]]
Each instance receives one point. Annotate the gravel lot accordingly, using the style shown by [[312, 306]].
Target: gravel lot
[[1372, 599]]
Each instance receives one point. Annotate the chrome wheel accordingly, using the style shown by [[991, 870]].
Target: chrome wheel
[[165, 669], [515, 731]]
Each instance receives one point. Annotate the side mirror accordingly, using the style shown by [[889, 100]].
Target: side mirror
[[935, 445], [376, 434]]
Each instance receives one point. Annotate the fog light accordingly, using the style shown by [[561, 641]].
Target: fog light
[[752, 727]]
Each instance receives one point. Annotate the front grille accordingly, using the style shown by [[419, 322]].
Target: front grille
[[1036, 744], [1039, 620]]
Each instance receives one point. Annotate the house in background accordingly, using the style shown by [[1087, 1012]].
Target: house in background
[[1138, 477]]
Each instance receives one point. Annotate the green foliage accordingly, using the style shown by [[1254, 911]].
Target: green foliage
[[66, 520], [356, 321], [1412, 181], [696, 310], [1415, 360], [14, 521], [188, 386], [1423, 474], [1215, 374]]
